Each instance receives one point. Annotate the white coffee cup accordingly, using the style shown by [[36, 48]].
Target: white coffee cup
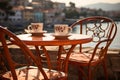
[[62, 29], [35, 27]]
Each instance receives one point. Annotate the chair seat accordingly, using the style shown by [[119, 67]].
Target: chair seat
[[80, 57], [33, 74]]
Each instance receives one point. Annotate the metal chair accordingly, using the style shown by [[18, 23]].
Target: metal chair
[[103, 31], [31, 68]]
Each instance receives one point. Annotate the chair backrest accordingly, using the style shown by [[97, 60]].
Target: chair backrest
[[98, 27], [29, 56]]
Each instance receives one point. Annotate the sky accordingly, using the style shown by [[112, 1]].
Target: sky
[[81, 3]]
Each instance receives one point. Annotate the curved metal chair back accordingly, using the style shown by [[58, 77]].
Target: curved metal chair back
[[98, 27]]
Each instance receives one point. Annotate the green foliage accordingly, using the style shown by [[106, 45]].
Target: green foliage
[[71, 14], [83, 13], [72, 5]]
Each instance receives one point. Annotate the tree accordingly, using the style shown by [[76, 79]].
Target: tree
[[71, 12], [6, 7], [72, 5]]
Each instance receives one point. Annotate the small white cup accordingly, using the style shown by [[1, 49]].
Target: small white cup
[[35, 27], [62, 29]]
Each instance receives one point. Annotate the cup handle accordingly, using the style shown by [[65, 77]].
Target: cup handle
[[70, 29], [29, 27]]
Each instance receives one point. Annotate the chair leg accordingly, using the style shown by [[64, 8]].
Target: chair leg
[[80, 75], [116, 76], [89, 74], [105, 70]]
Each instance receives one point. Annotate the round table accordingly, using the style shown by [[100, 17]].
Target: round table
[[48, 39]]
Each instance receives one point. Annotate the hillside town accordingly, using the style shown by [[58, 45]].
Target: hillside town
[[47, 12]]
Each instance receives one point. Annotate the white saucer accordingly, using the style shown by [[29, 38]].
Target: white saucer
[[28, 31], [35, 33], [38, 32], [61, 36]]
